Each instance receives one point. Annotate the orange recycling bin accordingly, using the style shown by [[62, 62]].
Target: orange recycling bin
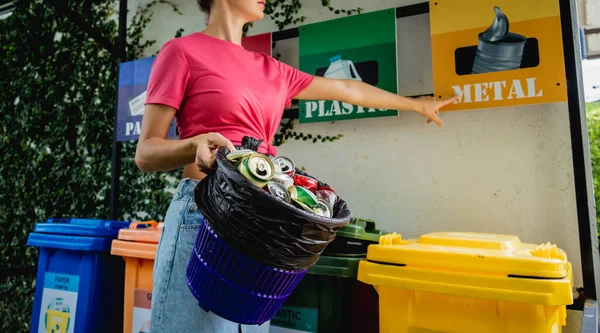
[[137, 245]]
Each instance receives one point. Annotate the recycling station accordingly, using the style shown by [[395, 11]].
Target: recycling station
[[485, 225]]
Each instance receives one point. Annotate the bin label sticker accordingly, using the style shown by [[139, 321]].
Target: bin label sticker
[[142, 302], [294, 319], [59, 302]]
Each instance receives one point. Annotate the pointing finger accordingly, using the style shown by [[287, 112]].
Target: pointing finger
[[448, 101], [436, 120]]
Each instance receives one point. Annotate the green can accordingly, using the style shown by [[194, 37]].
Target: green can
[[258, 169], [303, 195]]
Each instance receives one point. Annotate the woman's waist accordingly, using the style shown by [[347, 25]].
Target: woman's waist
[[187, 186]]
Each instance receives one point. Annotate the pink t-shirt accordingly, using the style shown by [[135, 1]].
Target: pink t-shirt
[[218, 86]]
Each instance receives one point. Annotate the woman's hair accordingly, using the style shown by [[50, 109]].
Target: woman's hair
[[205, 6]]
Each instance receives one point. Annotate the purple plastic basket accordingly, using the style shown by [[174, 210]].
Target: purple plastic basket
[[233, 286]]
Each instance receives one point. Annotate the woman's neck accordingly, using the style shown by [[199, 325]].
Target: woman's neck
[[224, 25]]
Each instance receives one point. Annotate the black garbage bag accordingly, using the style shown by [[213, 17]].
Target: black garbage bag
[[260, 226]]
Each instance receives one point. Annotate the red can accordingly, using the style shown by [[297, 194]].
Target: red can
[[306, 182]]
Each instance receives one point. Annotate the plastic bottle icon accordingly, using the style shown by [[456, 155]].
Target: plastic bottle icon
[[341, 69]]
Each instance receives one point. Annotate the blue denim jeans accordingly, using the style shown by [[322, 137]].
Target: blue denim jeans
[[174, 308]]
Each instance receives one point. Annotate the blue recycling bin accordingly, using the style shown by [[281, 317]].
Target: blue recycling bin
[[79, 286]]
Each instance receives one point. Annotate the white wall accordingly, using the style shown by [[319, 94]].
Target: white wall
[[505, 170]]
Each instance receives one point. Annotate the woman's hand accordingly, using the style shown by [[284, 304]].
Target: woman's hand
[[206, 146], [360, 93], [428, 107]]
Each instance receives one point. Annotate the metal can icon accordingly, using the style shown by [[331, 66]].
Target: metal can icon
[[279, 191], [323, 208], [286, 164], [498, 49], [258, 169]]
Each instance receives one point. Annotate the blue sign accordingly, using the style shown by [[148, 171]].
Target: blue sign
[[133, 83]]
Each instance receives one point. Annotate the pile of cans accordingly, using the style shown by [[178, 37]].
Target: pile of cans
[[277, 175]]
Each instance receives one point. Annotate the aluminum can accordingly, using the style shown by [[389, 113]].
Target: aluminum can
[[323, 208], [280, 192], [328, 196], [258, 169], [306, 182], [237, 156], [303, 196], [302, 206], [286, 164], [326, 188], [283, 179]]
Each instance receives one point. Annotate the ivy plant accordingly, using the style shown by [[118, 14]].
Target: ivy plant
[[57, 105]]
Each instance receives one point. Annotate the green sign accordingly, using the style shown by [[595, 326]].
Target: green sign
[[292, 320], [360, 47]]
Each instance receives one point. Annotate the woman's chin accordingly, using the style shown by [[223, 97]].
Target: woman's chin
[[257, 17]]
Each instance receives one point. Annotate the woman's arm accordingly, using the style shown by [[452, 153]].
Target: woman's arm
[[156, 153], [365, 95]]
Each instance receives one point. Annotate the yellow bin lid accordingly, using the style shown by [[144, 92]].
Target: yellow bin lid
[[477, 264]]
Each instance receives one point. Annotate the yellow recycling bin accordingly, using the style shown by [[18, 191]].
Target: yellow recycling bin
[[468, 283]]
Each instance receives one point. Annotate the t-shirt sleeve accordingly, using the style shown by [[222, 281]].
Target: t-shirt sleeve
[[169, 77], [296, 80]]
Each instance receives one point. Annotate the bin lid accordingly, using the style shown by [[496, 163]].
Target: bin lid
[[473, 252], [145, 232], [140, 240], [477, 265], [81, 227], [133, 249], [360, 229], [69, 242], [336, 266]]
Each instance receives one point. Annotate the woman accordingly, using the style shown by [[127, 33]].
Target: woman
[[219, 92]]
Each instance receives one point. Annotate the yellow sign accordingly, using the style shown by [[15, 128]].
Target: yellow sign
[[497, 53]]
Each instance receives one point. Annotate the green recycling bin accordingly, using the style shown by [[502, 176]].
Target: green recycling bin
[[353, 239], [330, 299]]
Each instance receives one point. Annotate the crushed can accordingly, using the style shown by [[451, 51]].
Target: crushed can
[[279, 191], [286, 164], [323, 208], [304, 196], [237, 156], [283, 179], [302, 206], [258, 169], [328, 196], [306, 182]]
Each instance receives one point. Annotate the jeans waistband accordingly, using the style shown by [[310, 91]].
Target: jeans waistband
[[187, 186]]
